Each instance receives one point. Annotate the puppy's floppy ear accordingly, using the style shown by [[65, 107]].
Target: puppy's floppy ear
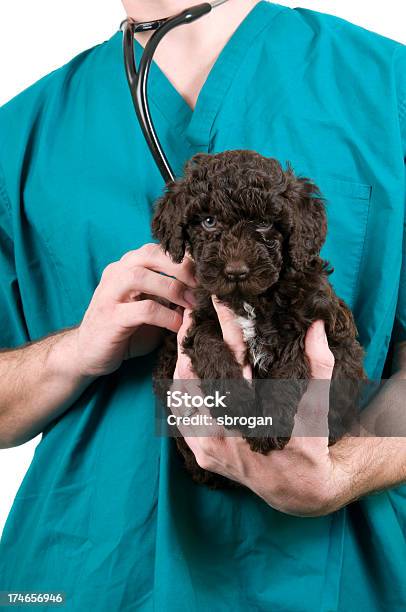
[[308, 220], [168, 223]]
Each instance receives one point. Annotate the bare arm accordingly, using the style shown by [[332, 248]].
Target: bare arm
[[372, 463], [39, 381]]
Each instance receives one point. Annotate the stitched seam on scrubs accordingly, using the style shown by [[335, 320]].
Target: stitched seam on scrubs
[[19, 308], [201, 119], [237, 68], [6, 200], [388, 314], [399, 63], [361, 259], [5, 197], [3, 192], [402, 114], [233, 58], [174, 128]]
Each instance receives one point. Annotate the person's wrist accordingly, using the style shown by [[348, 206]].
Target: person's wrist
[[65, 359], [326, 496], [316, 495], [346, 486]]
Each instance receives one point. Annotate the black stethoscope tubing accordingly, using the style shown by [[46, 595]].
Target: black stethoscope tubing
[[138, 80]]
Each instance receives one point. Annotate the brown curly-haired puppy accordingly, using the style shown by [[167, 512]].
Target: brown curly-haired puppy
[[254, 232]]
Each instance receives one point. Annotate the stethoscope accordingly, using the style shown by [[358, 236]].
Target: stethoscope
[[137, 81]]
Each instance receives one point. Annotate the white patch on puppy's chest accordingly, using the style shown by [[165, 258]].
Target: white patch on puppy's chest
[[247, 323], [255, 345]]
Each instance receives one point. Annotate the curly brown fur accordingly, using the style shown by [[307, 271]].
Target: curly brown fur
[[254, 231]]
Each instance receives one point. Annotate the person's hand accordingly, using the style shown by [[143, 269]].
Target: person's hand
[[232, 335], [304, 478], [124, 319]]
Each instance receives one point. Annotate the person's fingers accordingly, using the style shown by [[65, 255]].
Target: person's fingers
[[318, 351], [311, 420], [232, 332], [194, 419], [131, 315], [194, 422], [230, 457], [153, 257], [129, 283], [183, 372], [184, 328], [247, 371], [186, 380], [190, 422], [183, 368], [144, 340]]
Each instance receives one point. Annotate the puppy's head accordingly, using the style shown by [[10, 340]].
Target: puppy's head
[[243, 219]]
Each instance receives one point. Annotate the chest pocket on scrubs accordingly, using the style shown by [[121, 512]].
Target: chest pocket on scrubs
[[347, 206]]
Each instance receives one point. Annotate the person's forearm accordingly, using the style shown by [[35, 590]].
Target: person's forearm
[[369, 465], [376, 458], [38, 383]]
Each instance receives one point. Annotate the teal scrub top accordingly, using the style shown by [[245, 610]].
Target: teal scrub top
[[106, 512]]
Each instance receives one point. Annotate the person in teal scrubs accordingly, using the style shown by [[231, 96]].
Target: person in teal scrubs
[[106, 512]]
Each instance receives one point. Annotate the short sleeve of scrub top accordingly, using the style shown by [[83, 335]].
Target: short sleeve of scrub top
[[400, 321], [107, 513], [13, 331]]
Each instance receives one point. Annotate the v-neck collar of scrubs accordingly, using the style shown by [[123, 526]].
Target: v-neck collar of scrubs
[[195, 124]]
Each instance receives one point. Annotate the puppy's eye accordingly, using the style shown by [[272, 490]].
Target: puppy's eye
[[266, 232], [209, 223]]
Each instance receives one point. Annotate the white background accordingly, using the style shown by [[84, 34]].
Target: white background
[[37, 36]]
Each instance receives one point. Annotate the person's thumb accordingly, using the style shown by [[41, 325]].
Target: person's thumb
[[318, 351]]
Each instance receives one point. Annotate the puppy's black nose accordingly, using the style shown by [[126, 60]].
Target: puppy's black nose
[[236, 270]]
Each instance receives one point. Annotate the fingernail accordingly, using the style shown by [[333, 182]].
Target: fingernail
[[189, 297]]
